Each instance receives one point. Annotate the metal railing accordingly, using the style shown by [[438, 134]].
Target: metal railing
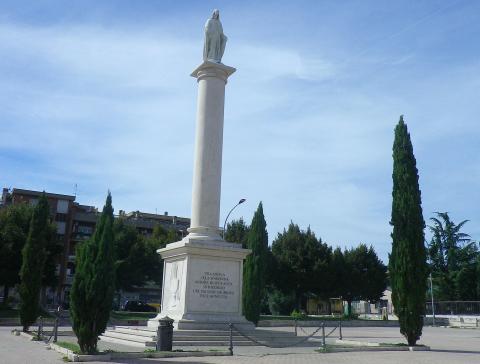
[[453, 308], [324, 336]]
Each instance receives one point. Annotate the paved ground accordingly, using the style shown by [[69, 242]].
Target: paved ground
[[448, 346]]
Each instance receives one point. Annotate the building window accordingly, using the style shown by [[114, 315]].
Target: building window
[[62, 206], [61, 227], [86, 230], [60, 217]]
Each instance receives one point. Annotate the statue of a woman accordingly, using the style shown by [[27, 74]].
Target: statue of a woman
[[215, 40]]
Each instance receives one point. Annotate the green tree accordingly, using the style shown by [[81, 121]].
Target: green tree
[[408, 268], [340, 274], [237, 232], [159, 239], [54, 249], [93, 286], [300, 261], [34, 255], [281, 303], [131, 256], [366, 275], [453, 258], [255, 267], [14, 226]]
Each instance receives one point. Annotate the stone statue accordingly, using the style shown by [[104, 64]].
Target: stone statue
[[215, 40]]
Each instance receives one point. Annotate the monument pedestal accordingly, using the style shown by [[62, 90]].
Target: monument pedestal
[[202, 284]]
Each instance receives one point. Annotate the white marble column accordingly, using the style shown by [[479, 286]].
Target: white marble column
[[207, 174], [203, 274]]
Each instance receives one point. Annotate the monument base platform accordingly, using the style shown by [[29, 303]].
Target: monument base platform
[[202, 283], [146, 337], [205, 324]]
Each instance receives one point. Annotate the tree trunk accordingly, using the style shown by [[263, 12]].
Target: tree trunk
[[299, 300], [349, 302], [6, 290]]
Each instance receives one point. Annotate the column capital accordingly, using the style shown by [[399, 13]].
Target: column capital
[[212, 69]]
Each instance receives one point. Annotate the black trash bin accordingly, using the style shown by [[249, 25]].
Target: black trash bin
[[165, 334]]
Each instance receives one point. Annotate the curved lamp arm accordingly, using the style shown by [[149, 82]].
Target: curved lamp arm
[[233, 208]]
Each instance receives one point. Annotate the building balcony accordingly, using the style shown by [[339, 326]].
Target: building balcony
[[80, 237]]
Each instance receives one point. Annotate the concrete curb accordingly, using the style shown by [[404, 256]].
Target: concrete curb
[[353, 345], [133, 355]]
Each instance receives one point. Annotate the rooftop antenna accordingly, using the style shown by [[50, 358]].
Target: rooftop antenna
[[75, 190]]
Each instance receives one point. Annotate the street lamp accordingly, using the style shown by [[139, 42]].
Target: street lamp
[[431, 293], [233, 208]]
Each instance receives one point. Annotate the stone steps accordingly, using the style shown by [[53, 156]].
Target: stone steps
[[146, 337]]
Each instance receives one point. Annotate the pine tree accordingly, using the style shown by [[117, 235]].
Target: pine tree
[[237, 232], [408, 267], [255, 269], [34, 254], [92, 291]]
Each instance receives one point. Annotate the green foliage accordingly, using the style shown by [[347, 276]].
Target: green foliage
[[237, 232], [453, 260], [93, 286], [408, 269], [366, 277], [341, 274], [300, 256], [54, 248], [14, 226], [69, 346], [298, 315], [34, 255], [131, 254], [137, 258], [255, 267], [159, 239], [281, 303]]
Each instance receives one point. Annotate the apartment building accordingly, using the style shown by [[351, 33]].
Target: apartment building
[[76, 223]]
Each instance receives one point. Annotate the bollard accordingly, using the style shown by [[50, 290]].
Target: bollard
[[296, 323], [164, 334], [230, 348], [57, 322], [40, 328], [323, 334], [55, 330], [340, 330]]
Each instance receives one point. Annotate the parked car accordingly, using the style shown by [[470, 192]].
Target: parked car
[[138, 306]]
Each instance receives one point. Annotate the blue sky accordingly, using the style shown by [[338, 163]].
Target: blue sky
[[98, 94]]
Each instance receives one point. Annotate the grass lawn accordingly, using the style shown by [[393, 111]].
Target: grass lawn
[[70, 346], [125, 315]]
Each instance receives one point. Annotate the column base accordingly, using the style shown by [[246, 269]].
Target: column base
[[202, 284]]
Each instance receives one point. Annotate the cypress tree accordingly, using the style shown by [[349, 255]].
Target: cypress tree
[[408, 267], [93, 286], [34, 255], [254, 269]]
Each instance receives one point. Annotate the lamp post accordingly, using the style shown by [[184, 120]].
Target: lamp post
[[431, 294], [233, 208]]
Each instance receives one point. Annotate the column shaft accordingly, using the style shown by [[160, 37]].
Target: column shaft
[[207, 173]]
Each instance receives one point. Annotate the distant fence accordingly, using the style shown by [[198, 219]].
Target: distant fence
[[454, 308], [441, 308]]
